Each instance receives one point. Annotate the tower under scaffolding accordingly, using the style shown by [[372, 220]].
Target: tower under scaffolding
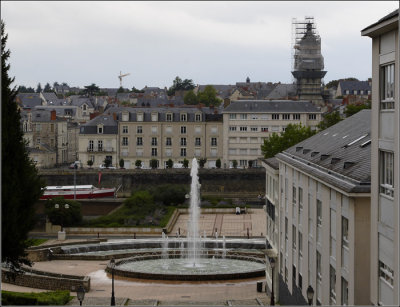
[[307, 60]]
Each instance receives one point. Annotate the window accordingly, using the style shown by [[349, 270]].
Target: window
[[300, 245], [154, 117], [296, 116], [232, 128], [124, 129], [183, 117], [387, 86], [124, 141], [275, 116], [197, 152], [154, 129], [100, 129], [169, 117], [319, 276], [140, 117], [294, 233], [154, 152], [312, 116], [197, 129], [139, 141], [183, 152], [168, 129], [386, 173], [213, 141], [232, 116], [345, 232], [153, 141], [386, 273], [332, 243], [183, 129], [90, 145], [275, 128], [243, 128], [319, 220], [264, 129], [125, 117], [214, 130], [345, 292], [332, 285], [253, 129], [197, 142], [183, 141], [38, 141], [300, 205], [51, 128], [38, 127], [168, 152], [139, 129], [100, 145], [198, 118], [243, 116], [286, 116], [168, 142]]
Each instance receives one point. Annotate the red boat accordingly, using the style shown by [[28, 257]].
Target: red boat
[[80, 191]]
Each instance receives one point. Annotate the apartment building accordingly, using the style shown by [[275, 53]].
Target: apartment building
[[165, 133], [385, 168], [46, 133], [324, 215], [247, 123], [98, 141]]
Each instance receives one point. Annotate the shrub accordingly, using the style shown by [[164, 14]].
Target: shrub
[[107, 162], [89, 163], [169, 163], [218, 163], [121, 163], [202, 162], [169, 194], [234, 163], [41, 298], [138, 163], [185, 163], [153, 163], [62, 216]]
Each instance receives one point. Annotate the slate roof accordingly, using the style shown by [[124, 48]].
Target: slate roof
[[271, 106], [339, 155], [223, 91], [49, 96], [387, 17], [44, 112], [272, 162], [109, 124], [282, 90], [29, 100], [354, 85]]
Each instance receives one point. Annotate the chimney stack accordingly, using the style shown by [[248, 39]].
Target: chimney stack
[[53, 115]]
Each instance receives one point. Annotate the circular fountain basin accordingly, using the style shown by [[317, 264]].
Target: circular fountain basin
[[156, 268]]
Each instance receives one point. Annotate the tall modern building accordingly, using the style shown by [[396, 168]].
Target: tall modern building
[[308, 63], [385, 159]]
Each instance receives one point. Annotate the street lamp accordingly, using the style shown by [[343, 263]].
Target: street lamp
[[75, 167], [57, 206], [272, 263], [112, 266], [80, 293], [310, 295]]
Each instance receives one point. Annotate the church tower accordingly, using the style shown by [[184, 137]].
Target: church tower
[[308, 63]]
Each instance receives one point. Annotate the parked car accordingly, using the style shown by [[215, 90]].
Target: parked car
[[103, 166], [76, 163]]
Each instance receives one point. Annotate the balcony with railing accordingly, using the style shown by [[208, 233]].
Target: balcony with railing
[[100, 149]]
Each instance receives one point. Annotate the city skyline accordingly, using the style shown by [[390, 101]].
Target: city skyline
[[91, 42]]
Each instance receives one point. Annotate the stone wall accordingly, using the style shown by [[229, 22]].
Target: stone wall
[[236, 181]]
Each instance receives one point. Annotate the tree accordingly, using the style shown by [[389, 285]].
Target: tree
[[121, 163], [21, 184], [190, 98], [121, 90], [202, 162], [169, 194], [180, 85], [47, 88], [208, 96], [185, 163], [335, 83], [69, 215], [250, 163], [153, 163], [218, 163], [89, 163], [169, 163], [39, 88], [138, 163], [91, 90], [352, 109], [329, 120], [135, 90], [107, 162], [24, 89], [55, 84], [234, 163], [292, 135]]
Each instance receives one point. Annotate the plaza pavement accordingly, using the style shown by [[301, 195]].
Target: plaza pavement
[[152, 293]]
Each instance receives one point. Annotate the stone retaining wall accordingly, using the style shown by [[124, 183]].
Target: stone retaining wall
[[46, 280]]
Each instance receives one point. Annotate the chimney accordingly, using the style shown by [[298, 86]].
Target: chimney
[[53, 115], [115, 116]]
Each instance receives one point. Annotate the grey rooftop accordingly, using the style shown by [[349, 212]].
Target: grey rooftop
[[271, 106]]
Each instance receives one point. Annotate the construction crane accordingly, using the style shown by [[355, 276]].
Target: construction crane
[[121, 76]]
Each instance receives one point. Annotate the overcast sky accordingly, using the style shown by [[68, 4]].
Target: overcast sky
[[209, 42]]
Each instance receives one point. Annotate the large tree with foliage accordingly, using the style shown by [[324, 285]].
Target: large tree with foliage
[[352, 109], [335, 83], [293, 134], [180, 85], [47, 88], [91, 90], [39, 88], [208, 96], [21, 185], [63, 212], [329, 120], [190, 98]]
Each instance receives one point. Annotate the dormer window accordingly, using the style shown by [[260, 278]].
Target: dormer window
[[198, 117], [140, 117], [183, 117], [100, 129], [125, 116], [154, 117], [84, 107], [169, 117]]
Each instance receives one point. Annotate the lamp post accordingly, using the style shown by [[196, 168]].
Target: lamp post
[[272, 263], [112, 265], [310, 295], [75, 167], [57, 206], [80, 293]]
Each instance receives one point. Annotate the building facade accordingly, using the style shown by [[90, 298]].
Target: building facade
[[165, 133], [324, 215], [247, 123], [385, 196]]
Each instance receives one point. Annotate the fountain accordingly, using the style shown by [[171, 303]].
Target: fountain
[[191, 258]]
